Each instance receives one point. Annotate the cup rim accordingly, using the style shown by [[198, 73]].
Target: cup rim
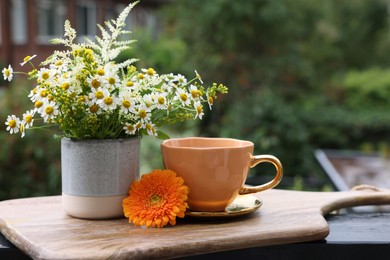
[[243, 143]]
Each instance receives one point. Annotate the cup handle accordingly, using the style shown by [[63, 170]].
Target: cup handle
[[255, 160]]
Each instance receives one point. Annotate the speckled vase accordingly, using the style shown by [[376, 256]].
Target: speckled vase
[[96, 176]]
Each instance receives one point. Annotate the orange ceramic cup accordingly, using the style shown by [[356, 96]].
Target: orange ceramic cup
[[215, 169]]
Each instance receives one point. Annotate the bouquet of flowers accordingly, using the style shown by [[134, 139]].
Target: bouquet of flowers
[[84, 92]]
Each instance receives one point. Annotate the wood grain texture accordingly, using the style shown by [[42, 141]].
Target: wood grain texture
[[40, 228]]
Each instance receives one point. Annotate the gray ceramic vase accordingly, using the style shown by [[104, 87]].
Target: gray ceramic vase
[[96, 176]]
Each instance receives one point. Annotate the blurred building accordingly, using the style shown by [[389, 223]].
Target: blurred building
[[26, 26]]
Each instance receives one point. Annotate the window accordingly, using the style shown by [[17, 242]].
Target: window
[[18, 21], [86, 19], [51, 19]]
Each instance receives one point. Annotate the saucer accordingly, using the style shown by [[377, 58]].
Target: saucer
[[242, 205]]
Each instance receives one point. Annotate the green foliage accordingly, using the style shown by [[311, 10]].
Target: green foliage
[[289, 65]]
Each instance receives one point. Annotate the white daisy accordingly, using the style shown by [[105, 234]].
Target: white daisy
[[28, 118], [180, 79], [210, 101], [109, 103], [199, 109], [195, 93], [143, 112], [13, 124], [127, 102], [98, 94], [8, 73], [129, 129], [183, 96], [150, 129], [49, 111], [45, 74], [161, 100]]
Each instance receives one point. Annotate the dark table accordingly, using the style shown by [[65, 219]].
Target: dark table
[[352, 236]]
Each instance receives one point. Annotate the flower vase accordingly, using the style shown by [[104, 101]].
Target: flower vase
[[96, 176]]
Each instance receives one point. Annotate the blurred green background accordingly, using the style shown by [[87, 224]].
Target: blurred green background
[[301, 74]]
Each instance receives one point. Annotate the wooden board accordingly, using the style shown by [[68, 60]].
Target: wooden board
[[40, 228]]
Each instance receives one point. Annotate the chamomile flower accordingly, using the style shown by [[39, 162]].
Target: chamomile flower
[[130, 129], [195, 92], [97, 95], [95, 81], [42, 94], [109, 103], [199, 109], [183, 96], [28, 118], [49, 111], [44, 75], [127, 102], [180, 79], [27, 59], [151, 129], [95, 109], [8, 73], [148, 100], [161, 100], [33, 94], [13, 124], [210, 101], [112, 81], [143, 113]]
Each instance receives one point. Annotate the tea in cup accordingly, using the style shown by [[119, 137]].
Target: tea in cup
[[215, 169]]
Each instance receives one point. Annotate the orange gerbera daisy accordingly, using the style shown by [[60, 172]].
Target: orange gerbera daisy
[[156, 200]]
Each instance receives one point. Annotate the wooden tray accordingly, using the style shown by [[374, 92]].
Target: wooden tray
[[40, 228]]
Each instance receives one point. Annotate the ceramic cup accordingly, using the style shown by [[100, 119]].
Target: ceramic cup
[[215, 169]]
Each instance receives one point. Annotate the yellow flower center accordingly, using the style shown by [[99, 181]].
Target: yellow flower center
[[199, 109], [12, 123], [111, 81], [161, 100], [194, 93], [100, 72], [141, 76], [28, 119], [38, 104], [26, 58], [108, 101], [138, 125], [49, 110], [211, 100], [94, 108], [129, 83], [99, 94], [44, 93], [142, 113], [130, 128], [150, 71], [183, 97], [45, 75], [7, 73], [95, 83], [58, 63], [50, 98], [65, 86], [126, 103]]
